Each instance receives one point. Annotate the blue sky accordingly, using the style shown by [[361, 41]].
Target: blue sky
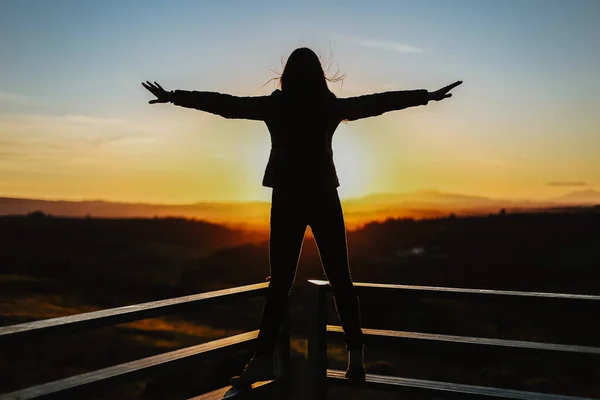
[[71, 70]]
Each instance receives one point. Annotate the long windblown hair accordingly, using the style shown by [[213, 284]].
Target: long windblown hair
[[303, 76]]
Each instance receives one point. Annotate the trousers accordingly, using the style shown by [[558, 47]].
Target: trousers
[[292, 210]]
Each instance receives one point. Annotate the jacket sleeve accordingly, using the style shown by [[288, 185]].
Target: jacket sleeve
[[225, 105], [353, 108]]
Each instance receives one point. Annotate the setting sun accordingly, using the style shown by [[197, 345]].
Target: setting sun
[[352, 163], [76, 124], [167, 167]]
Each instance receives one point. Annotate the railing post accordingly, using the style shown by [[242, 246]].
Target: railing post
[[317, 344], [282, 359]]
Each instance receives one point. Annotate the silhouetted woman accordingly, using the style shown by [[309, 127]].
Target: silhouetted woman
[[301, 118]]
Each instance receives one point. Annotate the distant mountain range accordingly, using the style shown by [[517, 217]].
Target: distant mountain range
[[589, 196], [236, 213], [582, 197], [357, 210]]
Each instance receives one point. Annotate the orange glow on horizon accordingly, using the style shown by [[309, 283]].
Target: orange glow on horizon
[[178, 156]]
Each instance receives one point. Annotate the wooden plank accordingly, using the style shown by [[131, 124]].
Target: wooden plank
[[461, 292], [517, 344], [447, 388], [230, 392], [125, 314], [131, 370]]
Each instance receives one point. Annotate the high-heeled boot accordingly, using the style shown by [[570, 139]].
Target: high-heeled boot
[[356, 365], [259, 368]]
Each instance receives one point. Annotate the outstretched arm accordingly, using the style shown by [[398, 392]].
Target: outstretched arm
[[225, 105], [353, 108]]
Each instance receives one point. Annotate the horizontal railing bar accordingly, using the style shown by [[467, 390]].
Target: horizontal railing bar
[[130, 370], [474, 340], [230, 392], [449, 291], [120, 315], [461, 390]]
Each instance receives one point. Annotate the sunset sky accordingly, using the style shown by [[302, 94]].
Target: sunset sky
[[75, 122]]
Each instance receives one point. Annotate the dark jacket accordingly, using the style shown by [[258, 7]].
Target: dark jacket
[[301, 131]]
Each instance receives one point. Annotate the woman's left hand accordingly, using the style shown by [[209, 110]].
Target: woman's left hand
[[442, 93]]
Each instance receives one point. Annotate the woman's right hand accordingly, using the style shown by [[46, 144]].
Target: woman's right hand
[[162, 96]]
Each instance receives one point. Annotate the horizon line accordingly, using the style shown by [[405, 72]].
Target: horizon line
[[353, 198]]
